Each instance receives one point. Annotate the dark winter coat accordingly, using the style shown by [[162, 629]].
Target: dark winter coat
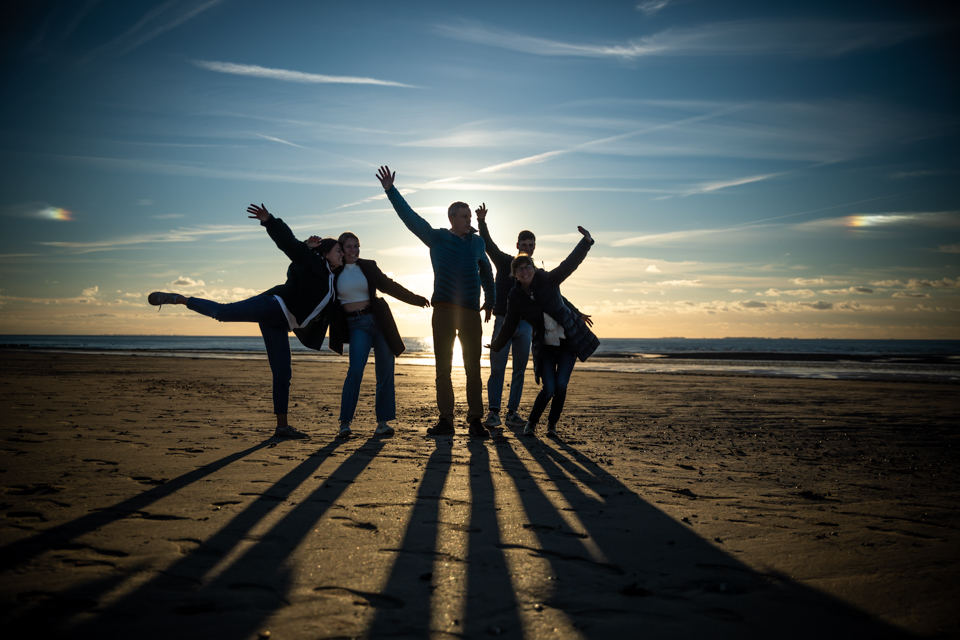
[[545, 297]]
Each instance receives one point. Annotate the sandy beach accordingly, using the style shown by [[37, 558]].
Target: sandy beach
[[144, 497]]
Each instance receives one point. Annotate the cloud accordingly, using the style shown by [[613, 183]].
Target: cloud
[[776, 293], [280, 140], [678, 283], [847, 291], [808, 281], [290, 76], [168, 216], [949, 248], [652, 6], [159, 20], [737, 290], [708, 187], [907, 294], [652, 269], [794, 38], [184, 281]]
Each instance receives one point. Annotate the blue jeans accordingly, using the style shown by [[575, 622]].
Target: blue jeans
[[364, 334], [556, 365], [266, 311], [520, 343]]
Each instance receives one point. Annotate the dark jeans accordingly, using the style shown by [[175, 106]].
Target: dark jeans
[[556, 365], [266, 311], [450, 323]]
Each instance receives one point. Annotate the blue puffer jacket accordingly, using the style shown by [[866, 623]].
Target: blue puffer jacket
[[545, 297], [460, 265]]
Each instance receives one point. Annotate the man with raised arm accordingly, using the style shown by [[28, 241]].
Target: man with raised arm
[[460, 269], [519, 342]]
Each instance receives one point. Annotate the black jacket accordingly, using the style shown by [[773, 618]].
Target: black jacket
[[309, 284], [376, 280], [545, 297]]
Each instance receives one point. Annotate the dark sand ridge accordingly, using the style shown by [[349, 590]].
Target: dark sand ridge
[[142, 497]]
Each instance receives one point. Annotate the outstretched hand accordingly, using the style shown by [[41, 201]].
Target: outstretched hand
[[586, 319], [313, 241], [260, 213], [481, 212], [385, 177], [586, 234], [423, 302]]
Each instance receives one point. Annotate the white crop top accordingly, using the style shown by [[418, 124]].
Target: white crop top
[[352, 285]]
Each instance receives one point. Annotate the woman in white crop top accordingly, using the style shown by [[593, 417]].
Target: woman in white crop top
[[364, 321]]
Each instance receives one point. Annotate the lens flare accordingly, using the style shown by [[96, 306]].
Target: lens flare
[[56, 213]]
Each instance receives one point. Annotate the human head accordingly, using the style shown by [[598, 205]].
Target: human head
[[330, 249], [526, 242], [350, 244], [460, 218], [523, 269]]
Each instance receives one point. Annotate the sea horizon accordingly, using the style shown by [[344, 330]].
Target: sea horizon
[[826, 358]]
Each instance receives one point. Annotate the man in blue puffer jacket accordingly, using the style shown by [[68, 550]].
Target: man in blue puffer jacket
[[460, 270]]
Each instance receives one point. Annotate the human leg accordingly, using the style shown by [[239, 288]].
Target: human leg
[[498, 365], [470, 331], [361, 339], [384, 360], [256, 309], [520, 345], [565, 361], [548, 372], [444, 333]]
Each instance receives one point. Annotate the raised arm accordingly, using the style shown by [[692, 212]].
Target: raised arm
[[408, 216], [280, 233], [570, 264], [500, 258]]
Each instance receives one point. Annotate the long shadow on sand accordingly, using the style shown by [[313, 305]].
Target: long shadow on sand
[[22, 551], [234, 599], [619, 565]]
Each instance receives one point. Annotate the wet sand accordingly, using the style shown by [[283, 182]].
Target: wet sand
[[145, 497]]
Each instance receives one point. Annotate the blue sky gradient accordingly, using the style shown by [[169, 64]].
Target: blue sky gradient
[[746, 169]]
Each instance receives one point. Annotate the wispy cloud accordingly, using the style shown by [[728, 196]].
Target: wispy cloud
[[159, 20], [286, 75], [280, 140], [651, 7], [542, 157], [709, 187], [795, 38]]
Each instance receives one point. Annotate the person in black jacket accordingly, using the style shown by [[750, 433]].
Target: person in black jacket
[[301, 304], [364, 321], [561, 334]]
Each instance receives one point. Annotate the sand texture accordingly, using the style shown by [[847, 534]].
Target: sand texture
[[144, 497]]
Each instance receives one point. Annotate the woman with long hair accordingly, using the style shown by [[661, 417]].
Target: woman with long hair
[[302, 304], [561, 334], [364, 321]]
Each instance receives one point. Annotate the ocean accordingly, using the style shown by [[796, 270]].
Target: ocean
[[937, 360]]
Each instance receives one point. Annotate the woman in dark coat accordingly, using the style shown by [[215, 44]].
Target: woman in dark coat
[[561, 334], [364, 321], [302, 304]]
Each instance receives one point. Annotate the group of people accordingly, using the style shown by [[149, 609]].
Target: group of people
[[329, 287]]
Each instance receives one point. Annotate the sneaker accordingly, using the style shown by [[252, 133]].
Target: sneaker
[[477, 430], [514, 420], [552, 431], [442, 428], [345, 431], [289, 432], [493, 419], [159, 298], [529, 429], [383, 429]]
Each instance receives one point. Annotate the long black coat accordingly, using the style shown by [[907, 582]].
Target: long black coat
[[545, 297], [376, 280]]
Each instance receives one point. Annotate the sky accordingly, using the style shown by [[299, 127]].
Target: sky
[[747, 168]]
